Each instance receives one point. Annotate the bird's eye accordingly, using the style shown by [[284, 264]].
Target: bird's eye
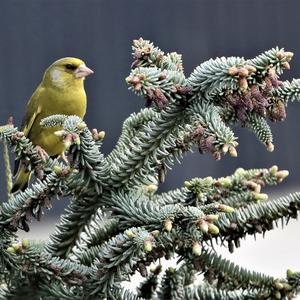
[[70, 67]]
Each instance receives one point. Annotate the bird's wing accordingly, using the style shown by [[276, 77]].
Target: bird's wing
[[32, 111]]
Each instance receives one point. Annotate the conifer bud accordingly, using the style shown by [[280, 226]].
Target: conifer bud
[[243, 84], [168, 225], [243, 72], [187, 184], [57, 169], [68, 141], [203, 225], [81, 125], [233, 71], [280, 55], [213, 229], [272, 72], [101, 135], [288, 55], [225, 148], [270, 147], [277, 295], [211, 218], [155, 233], [225, 208], [250, 69], [151, 188], [260, 196], [17, 247], [224, 182], [285, 65], [138, 87], [290, 274], [287, 286], [278, 285], [25, 243], [280, 175], [240, 172], [11, 250], [130, 234], [233, 152], [148, 246], [273, 170], [76, 139], [197, 249]]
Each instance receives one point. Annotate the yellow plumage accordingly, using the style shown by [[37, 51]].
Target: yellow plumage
[[60, 92]]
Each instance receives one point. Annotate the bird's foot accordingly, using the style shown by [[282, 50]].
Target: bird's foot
[[42, 153], [64, 158]]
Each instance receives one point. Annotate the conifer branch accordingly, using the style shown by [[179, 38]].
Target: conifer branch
[[116, 224]]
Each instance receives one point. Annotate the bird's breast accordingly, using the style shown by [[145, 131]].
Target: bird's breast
[[72, 102]]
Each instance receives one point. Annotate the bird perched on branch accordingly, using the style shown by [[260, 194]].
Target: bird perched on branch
[[60, 92]]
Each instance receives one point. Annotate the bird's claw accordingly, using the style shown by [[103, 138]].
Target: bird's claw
[[42, 153], [64, 158]]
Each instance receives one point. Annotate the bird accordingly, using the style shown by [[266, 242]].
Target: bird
[[61, 91]]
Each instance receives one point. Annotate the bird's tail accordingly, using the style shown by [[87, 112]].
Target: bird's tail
[[22, 180]]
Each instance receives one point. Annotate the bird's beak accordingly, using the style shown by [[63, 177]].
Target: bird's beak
[[82, 71]]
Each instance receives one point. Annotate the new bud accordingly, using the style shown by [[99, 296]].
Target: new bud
[[281, 175], [280, 55], [290, 274], [250, 69], [225, 208], [203, 225], [213, 229], [288, 55], [151, 188], [187, 184], [233, 71], [130, 234], [225, 148], [260, 196], [278, 285], [273, 170], [233, 152], [197, 249], [224, 181], [243, 72], [270, 147], [285, 65], [211, 218], [11, 250], [148, 246], [25, 243], [101, 135], [243, 84], [57, 169], [81, 125], [168, 225]]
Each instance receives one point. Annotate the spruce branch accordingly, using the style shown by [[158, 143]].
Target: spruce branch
[[289, 91], [257, 218], [28, 204], [8, 173], [116, 224]]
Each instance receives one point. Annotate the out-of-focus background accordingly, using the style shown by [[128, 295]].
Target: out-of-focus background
[[35, 33]]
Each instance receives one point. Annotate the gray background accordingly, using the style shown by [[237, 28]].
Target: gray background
[[35, 33]]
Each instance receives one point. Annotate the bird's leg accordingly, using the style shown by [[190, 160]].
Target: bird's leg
[[43, 154], [64, 158]]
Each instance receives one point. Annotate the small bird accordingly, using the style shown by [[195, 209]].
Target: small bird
[[60, 92]]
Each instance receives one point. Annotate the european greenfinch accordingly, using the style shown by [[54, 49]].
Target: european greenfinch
[[60, 92]]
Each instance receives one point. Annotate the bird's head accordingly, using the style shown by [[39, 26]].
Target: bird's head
[[67, 72]]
